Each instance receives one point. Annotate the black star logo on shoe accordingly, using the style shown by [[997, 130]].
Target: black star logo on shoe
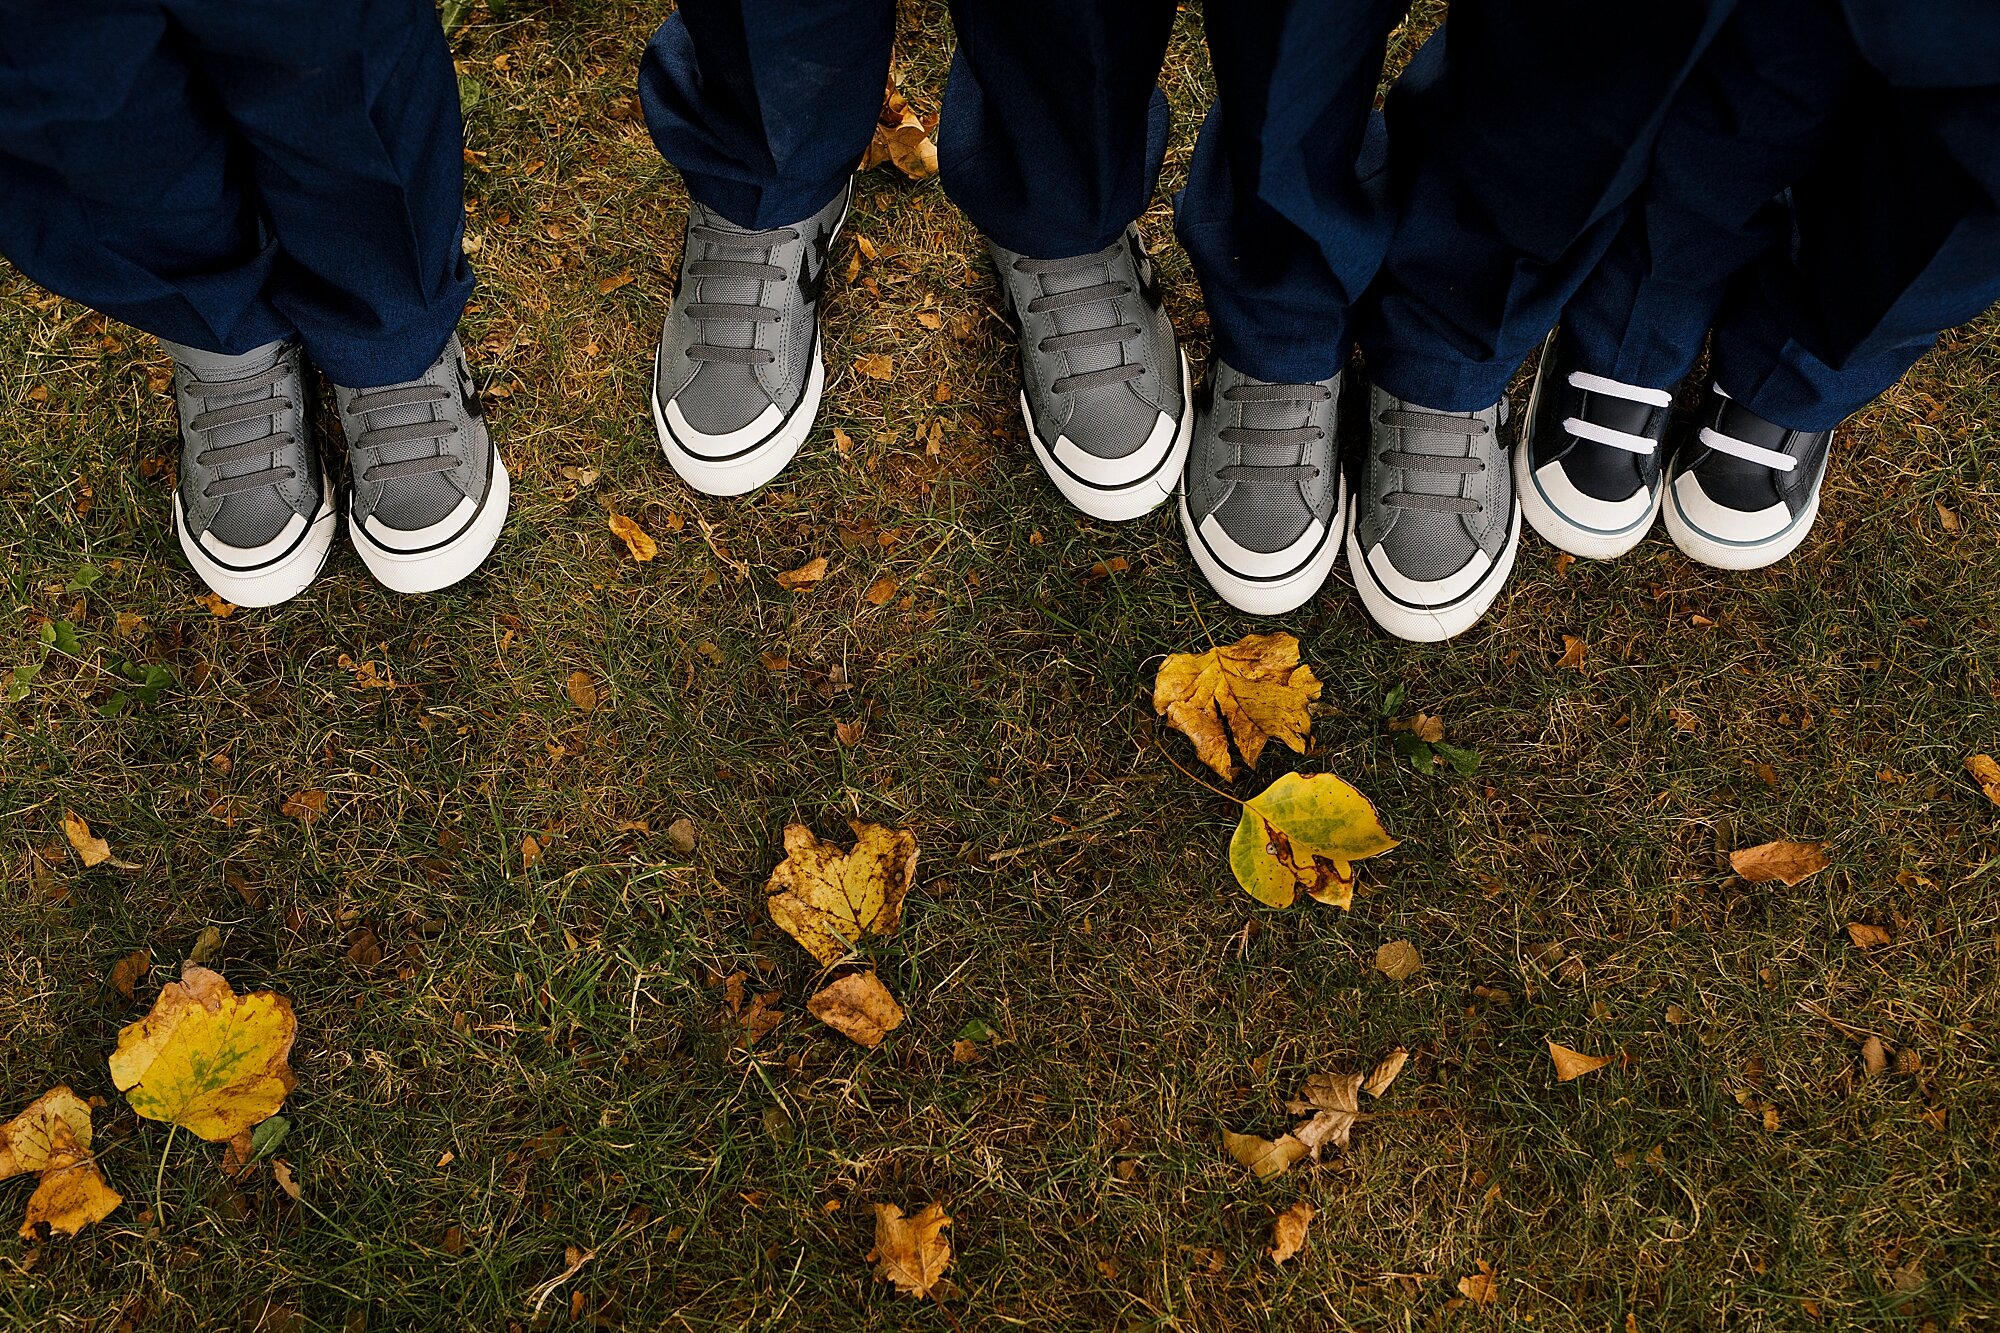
[[1149, 286], [812, 273]]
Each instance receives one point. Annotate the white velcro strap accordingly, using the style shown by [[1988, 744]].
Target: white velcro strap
[[1617, 439], [1632, 393], [1743, 449]]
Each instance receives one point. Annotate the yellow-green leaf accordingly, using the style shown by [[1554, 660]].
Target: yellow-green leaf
[[1305, 831], [207, 1059]]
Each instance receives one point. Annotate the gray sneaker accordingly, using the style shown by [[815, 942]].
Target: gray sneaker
[[1435, 521], [1103, 387], [1264, 493], [427, 492], [738, 375], [253, 509]]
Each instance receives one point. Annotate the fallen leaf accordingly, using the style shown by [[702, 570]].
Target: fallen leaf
[[827, 899], [1288, 1232], [811, 572], [761, 1016], [1948, 517], [206, 946], [911, 1251], [1866, 936], [1264, 1157], [842, 440], [1986, 773], [1572, 653], [1384, 1074], [1305, 831], [1790, 862], [1574, 1064], [206, 1059], [876, 365], [638, 544], [775, 662], [281, 1171], [217, 606], [848, 733], [681, 835], [609, 285], [94, 851], [965, 1052], [305, 806], [582, 691], [127, 972], [70, 1196], [1254, 690], [858, 1007], [32, 1139], [1481, 1288], [1333, 1101], [900, 140], [1874, 1057], [531, 850], [1398, 960], [880, 591]]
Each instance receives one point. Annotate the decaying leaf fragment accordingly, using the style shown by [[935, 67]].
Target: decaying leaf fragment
[[207, 1059], [1332, 1101], [1254, 690], [827, 899], [859, 1007], [1986, 773], [1288, 1232], [639, 543], [1305, 831], [911, 1251], [901, 139], [51, 1138], [1265, 1157], [1788, 862], [93, 850]]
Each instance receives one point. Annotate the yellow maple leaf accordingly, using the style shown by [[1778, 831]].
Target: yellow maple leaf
[[911, 1251], [207, 1059], [827, 899], [1305, 831], [1255, 686]]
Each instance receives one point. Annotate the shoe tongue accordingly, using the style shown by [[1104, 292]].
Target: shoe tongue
[[729, 291], [211, 366], [1090, 315], [1281, 415]]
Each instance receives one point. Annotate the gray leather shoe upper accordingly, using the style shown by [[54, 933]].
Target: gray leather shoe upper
[[1435, 487], [1265, 458], [247, 463], [418, 450]]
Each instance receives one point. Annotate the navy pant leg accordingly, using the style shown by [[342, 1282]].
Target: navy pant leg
[[309, 156], [1756, 113], [1517, 139], [1284, 214], [1897, 240], [1053, 126], [123, 186], [767, 107]]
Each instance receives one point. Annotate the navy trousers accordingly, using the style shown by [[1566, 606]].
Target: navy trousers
[[223, 173], [1825, 197], [1513, 147]]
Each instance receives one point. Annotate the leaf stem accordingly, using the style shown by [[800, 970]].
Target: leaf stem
[[159, 1207], [1203, 782]]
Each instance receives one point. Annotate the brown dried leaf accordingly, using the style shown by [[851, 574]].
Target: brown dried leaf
[[1874, 1057], [880, 591], [1986, 773], [1481, 1288], [901, 140], [805, 576], [1398, 960], [306, 806], [638, 544], [1789, 862], [876, 365], [1385, 1073], [582, 691], [1288, 1232], [1263, 1157], [1574, 1064], [858, 1007], [911, 1252], [1572, 653], [1866, 936], [94, 851], [127, 971]]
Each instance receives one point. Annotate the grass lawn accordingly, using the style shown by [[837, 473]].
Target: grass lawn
[[506, 1065]]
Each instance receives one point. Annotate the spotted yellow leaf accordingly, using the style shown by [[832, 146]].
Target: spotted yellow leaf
[[1252, 691], [27, 1140], [207, 1059], [1305, 831], [51, 1138], [827, 899]]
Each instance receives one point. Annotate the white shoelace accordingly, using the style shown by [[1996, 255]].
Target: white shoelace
[[1743, 449], [1632, 393]]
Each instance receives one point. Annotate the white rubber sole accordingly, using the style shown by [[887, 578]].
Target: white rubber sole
[[755, 466], [1133, 499], [1719, 553], [277, 580], [450, 562], [1555, 527], [1561, 532], [1429, 624], [1274, 596]]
